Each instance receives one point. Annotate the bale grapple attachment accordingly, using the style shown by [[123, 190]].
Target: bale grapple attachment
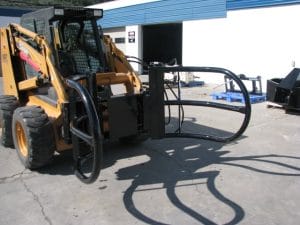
[[156, 100]]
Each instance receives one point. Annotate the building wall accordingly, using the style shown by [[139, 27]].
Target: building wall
[[251, 37], [5, 20], [11, 15], [261, 41], [131, 47], [134, 48], [117, 34], [160, 11]]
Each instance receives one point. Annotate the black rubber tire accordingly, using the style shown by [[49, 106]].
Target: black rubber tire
[[39, 136], [8, 104]]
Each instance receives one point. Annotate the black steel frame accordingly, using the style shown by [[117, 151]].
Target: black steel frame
[[157, 102], [154, 109], [93, 139]]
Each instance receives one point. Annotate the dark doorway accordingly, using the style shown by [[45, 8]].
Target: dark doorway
[[162, 43]]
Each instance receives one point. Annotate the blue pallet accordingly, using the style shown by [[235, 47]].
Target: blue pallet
[[237, 97]]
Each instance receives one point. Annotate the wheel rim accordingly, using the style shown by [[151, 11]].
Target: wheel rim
[[21, 138]]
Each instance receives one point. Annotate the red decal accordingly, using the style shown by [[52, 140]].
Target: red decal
[[27, 59]]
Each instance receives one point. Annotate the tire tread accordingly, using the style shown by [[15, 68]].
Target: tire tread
[[39, 134], [8, 104]]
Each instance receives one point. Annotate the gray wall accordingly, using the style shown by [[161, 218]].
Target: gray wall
[[4, 20]]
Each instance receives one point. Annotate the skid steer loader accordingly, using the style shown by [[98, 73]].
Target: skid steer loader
[[58, 69]]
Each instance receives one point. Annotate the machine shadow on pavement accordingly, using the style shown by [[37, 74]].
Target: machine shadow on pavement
[[177, 162], [174, 162]]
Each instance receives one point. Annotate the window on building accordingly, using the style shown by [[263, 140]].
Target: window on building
[[120, 40]]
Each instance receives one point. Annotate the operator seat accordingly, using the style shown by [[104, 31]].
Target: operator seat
[[66, 56], [67, 64]]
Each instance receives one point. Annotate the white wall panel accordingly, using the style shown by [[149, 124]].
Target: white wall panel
[[264, 41]]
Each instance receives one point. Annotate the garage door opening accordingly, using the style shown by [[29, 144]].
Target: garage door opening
[[162, 43]]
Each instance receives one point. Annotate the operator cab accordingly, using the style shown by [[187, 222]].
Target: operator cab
[[73, 35], [78, 52]]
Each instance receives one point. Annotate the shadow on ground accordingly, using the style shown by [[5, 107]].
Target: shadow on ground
[[181, 164], [173, 161]]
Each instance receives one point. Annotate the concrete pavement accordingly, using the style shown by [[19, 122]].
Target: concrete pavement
[[254, 180]]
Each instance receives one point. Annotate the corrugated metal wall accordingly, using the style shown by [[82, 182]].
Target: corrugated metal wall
[[13, 12], [163, 11], [244, 4]]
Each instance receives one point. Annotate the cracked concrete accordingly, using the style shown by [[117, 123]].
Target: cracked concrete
[[19, 177], [14, 177], [36, 199]]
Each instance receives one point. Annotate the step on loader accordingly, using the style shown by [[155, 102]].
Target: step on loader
[[58, 69]]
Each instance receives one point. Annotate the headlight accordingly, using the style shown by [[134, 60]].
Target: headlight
[[59, 12], [98, 13]]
